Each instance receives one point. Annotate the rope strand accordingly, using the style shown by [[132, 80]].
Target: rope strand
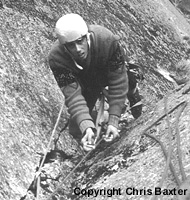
[[37, 175]]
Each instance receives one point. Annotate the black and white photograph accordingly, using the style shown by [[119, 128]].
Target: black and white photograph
[[95, 100]]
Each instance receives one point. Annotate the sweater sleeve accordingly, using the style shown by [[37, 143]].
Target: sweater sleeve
[[74, 99], [118, 84]]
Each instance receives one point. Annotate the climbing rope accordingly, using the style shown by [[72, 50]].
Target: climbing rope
[[168, 155], [184, 177], [99, 123], [170, 148], [98, 140], [38, 173], [59, 187], [183, 104]]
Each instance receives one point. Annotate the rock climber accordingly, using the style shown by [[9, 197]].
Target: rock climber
[[84, 60]]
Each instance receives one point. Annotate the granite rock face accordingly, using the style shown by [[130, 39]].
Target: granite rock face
[[155, 36]]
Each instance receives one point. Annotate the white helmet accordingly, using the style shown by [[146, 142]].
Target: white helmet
[[70, 27]]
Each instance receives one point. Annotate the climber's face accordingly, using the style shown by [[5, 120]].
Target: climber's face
[[78, 48]]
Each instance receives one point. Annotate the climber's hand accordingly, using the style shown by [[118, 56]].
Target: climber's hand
[[111, 133], [88, 140]]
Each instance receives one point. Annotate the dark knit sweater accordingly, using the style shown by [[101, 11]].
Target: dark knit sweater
[[106, 68]]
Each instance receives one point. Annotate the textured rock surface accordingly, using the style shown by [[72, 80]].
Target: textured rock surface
[[155, 35], [29, 101], [138, 161]]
